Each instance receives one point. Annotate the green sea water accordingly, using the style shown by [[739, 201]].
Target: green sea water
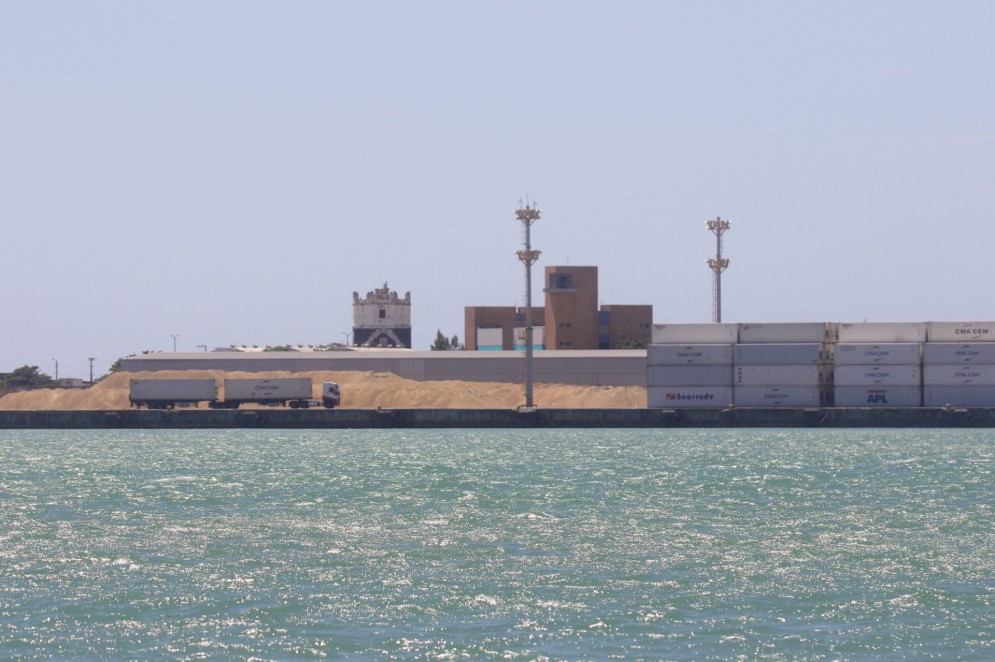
[[511, 544]]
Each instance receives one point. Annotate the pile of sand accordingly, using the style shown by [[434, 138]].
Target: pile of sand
[[360, 390]]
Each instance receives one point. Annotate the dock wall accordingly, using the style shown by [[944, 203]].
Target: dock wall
[[744, 417]]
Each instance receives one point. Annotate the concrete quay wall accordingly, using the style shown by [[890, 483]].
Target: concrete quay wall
[[740, 417]]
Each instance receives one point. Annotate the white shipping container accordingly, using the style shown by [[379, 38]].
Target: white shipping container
[[268, 390], [878, 354], [173, 390], [798, 332], [689, 375], [685, 397], [958, 396], [878, 396], [781, 375], [876, 375], [781, 354], [695, 334], [960, 332], [779, 396], [881, 332], [689, 354], [959, 375], [954, 352]]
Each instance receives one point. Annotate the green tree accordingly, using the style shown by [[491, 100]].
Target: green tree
[[444, 344], [31, 377]]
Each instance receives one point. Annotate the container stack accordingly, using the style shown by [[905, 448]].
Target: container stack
[[879, 364], [959, 364], [783, 365], [690, 365]]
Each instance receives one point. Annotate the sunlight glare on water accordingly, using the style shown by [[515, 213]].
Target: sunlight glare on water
[[512, 544]]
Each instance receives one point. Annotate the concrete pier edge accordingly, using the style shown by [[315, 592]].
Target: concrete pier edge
[[739, 417]]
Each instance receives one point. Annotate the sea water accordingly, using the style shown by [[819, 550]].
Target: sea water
[[511, 544]]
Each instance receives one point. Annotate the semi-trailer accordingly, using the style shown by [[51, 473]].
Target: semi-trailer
[[285, 391]]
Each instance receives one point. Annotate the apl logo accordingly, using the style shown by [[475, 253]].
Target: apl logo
[[877, 398]]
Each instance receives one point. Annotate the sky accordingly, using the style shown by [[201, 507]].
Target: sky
[[230, 172]]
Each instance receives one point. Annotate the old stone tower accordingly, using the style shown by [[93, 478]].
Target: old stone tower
[[382, 319]]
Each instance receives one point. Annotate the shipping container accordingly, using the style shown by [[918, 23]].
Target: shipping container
[[779, 396], [695, 334], [170, 392], [781, 354], [685, 397], [689, 354], [959, 375], [689, 375], [958, 396], [873, 375], [881, 332], [954, 352], [877, 396], [795, 332], [960, 332], [279, 389], [781, 375], [878, 354]]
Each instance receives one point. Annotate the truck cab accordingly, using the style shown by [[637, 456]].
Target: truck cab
[[330, 395]]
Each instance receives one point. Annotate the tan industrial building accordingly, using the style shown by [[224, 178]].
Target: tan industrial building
[[570, 320]]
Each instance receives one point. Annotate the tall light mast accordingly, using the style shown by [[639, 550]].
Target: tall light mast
[[528, 215], [718, 264]]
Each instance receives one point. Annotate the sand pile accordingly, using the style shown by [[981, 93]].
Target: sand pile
[[360, 390]]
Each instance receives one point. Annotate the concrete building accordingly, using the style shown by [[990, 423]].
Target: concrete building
[[488, 328], [570, 319], [595, 368], [381, 319]]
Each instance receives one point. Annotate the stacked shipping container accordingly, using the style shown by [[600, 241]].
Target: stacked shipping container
[[959, 364], [868, 364], [879, 364], [783, 365], [690, 365]]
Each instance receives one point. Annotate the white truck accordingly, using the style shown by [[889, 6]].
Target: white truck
[[281, 391]]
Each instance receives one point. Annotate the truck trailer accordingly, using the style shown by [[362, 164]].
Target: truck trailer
[[168, 393], [284, 391]]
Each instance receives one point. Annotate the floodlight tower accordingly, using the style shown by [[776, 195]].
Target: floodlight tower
[[718, 264], [528, 215]]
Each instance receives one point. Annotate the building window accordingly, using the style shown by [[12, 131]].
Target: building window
[[383, 314], [561, 281]]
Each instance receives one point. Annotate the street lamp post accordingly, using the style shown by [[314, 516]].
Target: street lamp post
[[718, 264], [528, 215], [174, 336]]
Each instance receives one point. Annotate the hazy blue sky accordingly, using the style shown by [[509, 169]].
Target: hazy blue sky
[[232, 171]]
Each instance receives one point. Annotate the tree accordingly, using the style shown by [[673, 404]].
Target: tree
[[29, 376], [444, 344]]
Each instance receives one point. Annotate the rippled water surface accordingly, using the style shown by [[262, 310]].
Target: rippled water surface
[[564, 544]]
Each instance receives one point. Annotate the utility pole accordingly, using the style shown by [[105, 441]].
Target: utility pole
[[56, 369], [528, 215], [91, 360], [718, 264], [174, 336]]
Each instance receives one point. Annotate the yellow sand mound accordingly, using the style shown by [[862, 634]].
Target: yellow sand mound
[[360, 390]]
